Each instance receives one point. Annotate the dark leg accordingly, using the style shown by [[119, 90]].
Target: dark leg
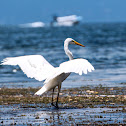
[[52, 97], [59, 87], [57, 100]]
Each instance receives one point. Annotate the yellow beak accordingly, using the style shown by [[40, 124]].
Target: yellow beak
[[77, 43]]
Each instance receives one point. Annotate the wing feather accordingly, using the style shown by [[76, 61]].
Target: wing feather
[[34, 66], [78, 66]]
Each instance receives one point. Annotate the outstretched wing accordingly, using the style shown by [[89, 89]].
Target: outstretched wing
[[78, 66], [34, 66]]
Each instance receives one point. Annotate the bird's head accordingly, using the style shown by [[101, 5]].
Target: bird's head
[[72, 41]]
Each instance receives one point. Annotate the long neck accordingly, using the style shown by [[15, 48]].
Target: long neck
[[67, 51]]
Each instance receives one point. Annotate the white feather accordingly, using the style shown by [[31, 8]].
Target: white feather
[[34, 66], [78, 66]]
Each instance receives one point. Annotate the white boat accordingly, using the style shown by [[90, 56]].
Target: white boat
[[66, 20], [33, 25]]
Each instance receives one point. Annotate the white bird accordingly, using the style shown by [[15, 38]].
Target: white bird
[[36, 66]]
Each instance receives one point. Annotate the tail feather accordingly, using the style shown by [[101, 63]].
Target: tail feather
[[41, 91]]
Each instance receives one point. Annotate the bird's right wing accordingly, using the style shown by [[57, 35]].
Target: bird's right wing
[[34, 66]]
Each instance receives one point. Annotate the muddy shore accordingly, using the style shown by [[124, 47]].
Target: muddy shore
[[75, 100], [75, 97]]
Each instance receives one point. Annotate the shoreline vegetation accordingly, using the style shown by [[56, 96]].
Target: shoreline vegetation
[[82, 97]]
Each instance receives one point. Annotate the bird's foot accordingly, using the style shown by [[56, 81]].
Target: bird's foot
[[56, 106], [52, 104]]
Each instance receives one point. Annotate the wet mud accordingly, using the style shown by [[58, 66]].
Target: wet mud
[[77, 106]]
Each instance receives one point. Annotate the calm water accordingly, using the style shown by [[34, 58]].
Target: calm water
[[105, 49]]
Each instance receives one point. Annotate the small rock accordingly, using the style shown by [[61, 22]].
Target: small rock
[[111, 89], [90, 92]]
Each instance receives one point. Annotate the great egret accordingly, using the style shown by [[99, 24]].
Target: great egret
[[36, 66]]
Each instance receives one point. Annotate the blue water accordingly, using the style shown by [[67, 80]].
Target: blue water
[[105, 48], [49, 116]]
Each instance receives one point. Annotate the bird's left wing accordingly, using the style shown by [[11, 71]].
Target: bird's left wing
[[78, 66], [34, 66]]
